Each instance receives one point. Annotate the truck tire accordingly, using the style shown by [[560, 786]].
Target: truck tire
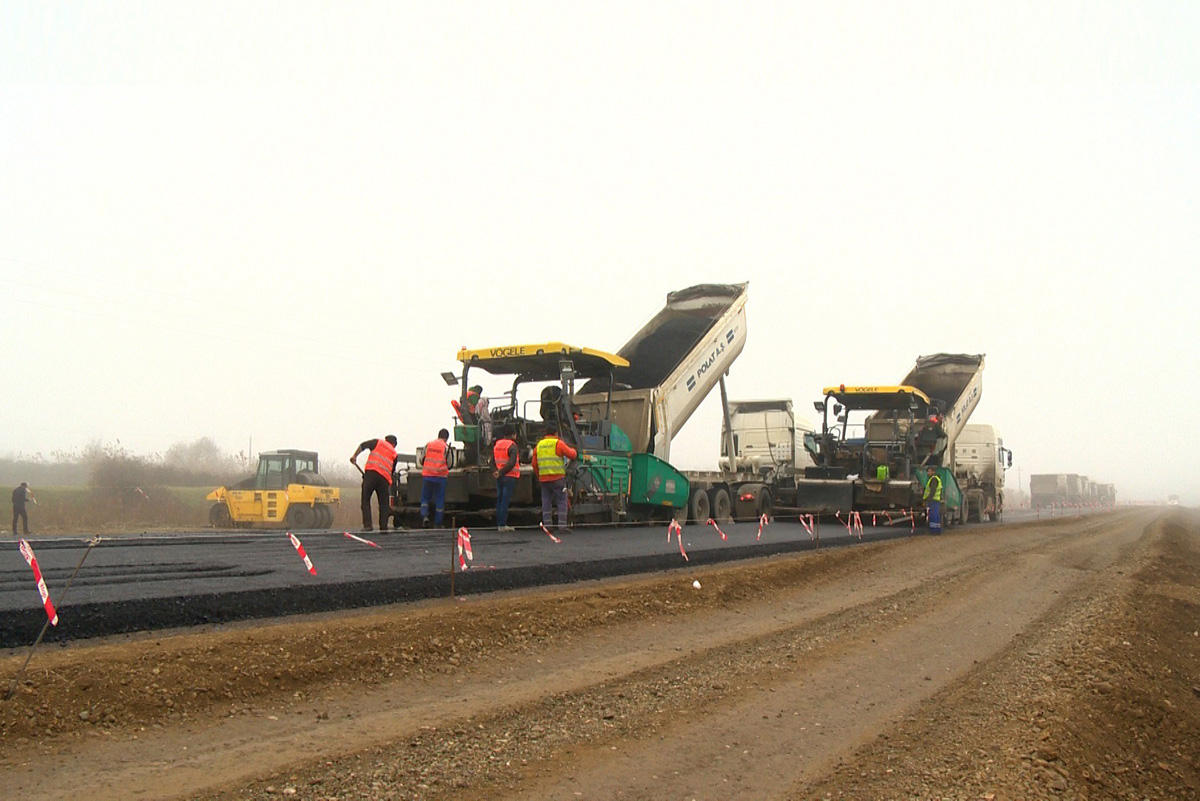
[[324, 515], [698, 506], [722, 508], [219, 517], [766, 504]]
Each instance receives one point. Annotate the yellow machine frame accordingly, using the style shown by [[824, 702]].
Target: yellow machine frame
[[269, 508]]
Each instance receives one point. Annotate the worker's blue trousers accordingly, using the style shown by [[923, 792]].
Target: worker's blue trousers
[[505, 485], [935, 517], [433, 489]]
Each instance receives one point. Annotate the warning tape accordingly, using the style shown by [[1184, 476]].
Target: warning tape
[[31, 560], [677, 530], [548, 534], [810, 526], [464, 548], [762, 523], [360, 539], [713, 523], [300, 550]]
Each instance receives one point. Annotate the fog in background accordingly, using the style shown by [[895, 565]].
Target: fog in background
[[281, 221]]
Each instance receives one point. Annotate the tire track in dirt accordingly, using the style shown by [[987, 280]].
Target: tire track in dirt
[[1099, 700]]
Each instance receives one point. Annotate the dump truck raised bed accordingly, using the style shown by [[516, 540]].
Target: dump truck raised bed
[[675, 361], [287, 491]]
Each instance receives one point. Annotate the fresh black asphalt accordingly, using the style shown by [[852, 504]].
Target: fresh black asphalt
[[155, 581]]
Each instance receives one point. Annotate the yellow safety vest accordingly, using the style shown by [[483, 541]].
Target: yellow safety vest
[[550, 464], [933, 492]]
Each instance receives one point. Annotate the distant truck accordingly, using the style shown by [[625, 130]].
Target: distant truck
[[1172, 500], [980, 460], [1047, 490]]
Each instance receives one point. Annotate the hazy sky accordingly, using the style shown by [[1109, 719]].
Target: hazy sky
[[281, 220]]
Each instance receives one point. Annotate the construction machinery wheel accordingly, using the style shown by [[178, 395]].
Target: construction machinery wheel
[[698, 506], [219, 517], [300, 516], [722, 508], [766, 504], [324, 515]]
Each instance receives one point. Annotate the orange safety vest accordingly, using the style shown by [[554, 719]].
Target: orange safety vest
[[500, 456], [382, 459], [434, 463]]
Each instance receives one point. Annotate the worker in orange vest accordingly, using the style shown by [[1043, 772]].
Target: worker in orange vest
[[377, 477], [507, 459], [549, 463], [435, 468]]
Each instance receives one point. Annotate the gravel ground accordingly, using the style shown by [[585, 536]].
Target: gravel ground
[[1051, 660]]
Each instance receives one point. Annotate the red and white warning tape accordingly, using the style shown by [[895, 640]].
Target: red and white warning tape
[[360, 539], [27, 552], [858, 526], [464, 548], [548, 534], [300, 550], [713, 523], [677, 530], [762, 523], [809, 526]]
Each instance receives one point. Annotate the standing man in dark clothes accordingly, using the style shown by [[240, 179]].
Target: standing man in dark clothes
[[20, 496], [377, 477]]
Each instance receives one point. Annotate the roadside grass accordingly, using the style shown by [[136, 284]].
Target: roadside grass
[[94, 510]]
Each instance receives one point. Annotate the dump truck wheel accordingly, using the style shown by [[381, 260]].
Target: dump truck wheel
[[698, 506], [219, 517], [300, 516], [722, 508], [766, 504]]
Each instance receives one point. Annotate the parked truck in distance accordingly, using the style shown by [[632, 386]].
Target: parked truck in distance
[[980, 461], [1069, 490]]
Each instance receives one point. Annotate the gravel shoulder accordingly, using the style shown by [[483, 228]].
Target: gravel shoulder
[[897, 669]]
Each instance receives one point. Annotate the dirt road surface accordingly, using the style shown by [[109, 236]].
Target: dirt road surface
[[1039, 660]]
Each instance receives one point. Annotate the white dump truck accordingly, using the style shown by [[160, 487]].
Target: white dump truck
[[980, 461], [675, 361]]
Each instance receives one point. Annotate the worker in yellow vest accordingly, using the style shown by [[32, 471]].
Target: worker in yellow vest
[[933, 500], [550, 466], [507, 459]]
